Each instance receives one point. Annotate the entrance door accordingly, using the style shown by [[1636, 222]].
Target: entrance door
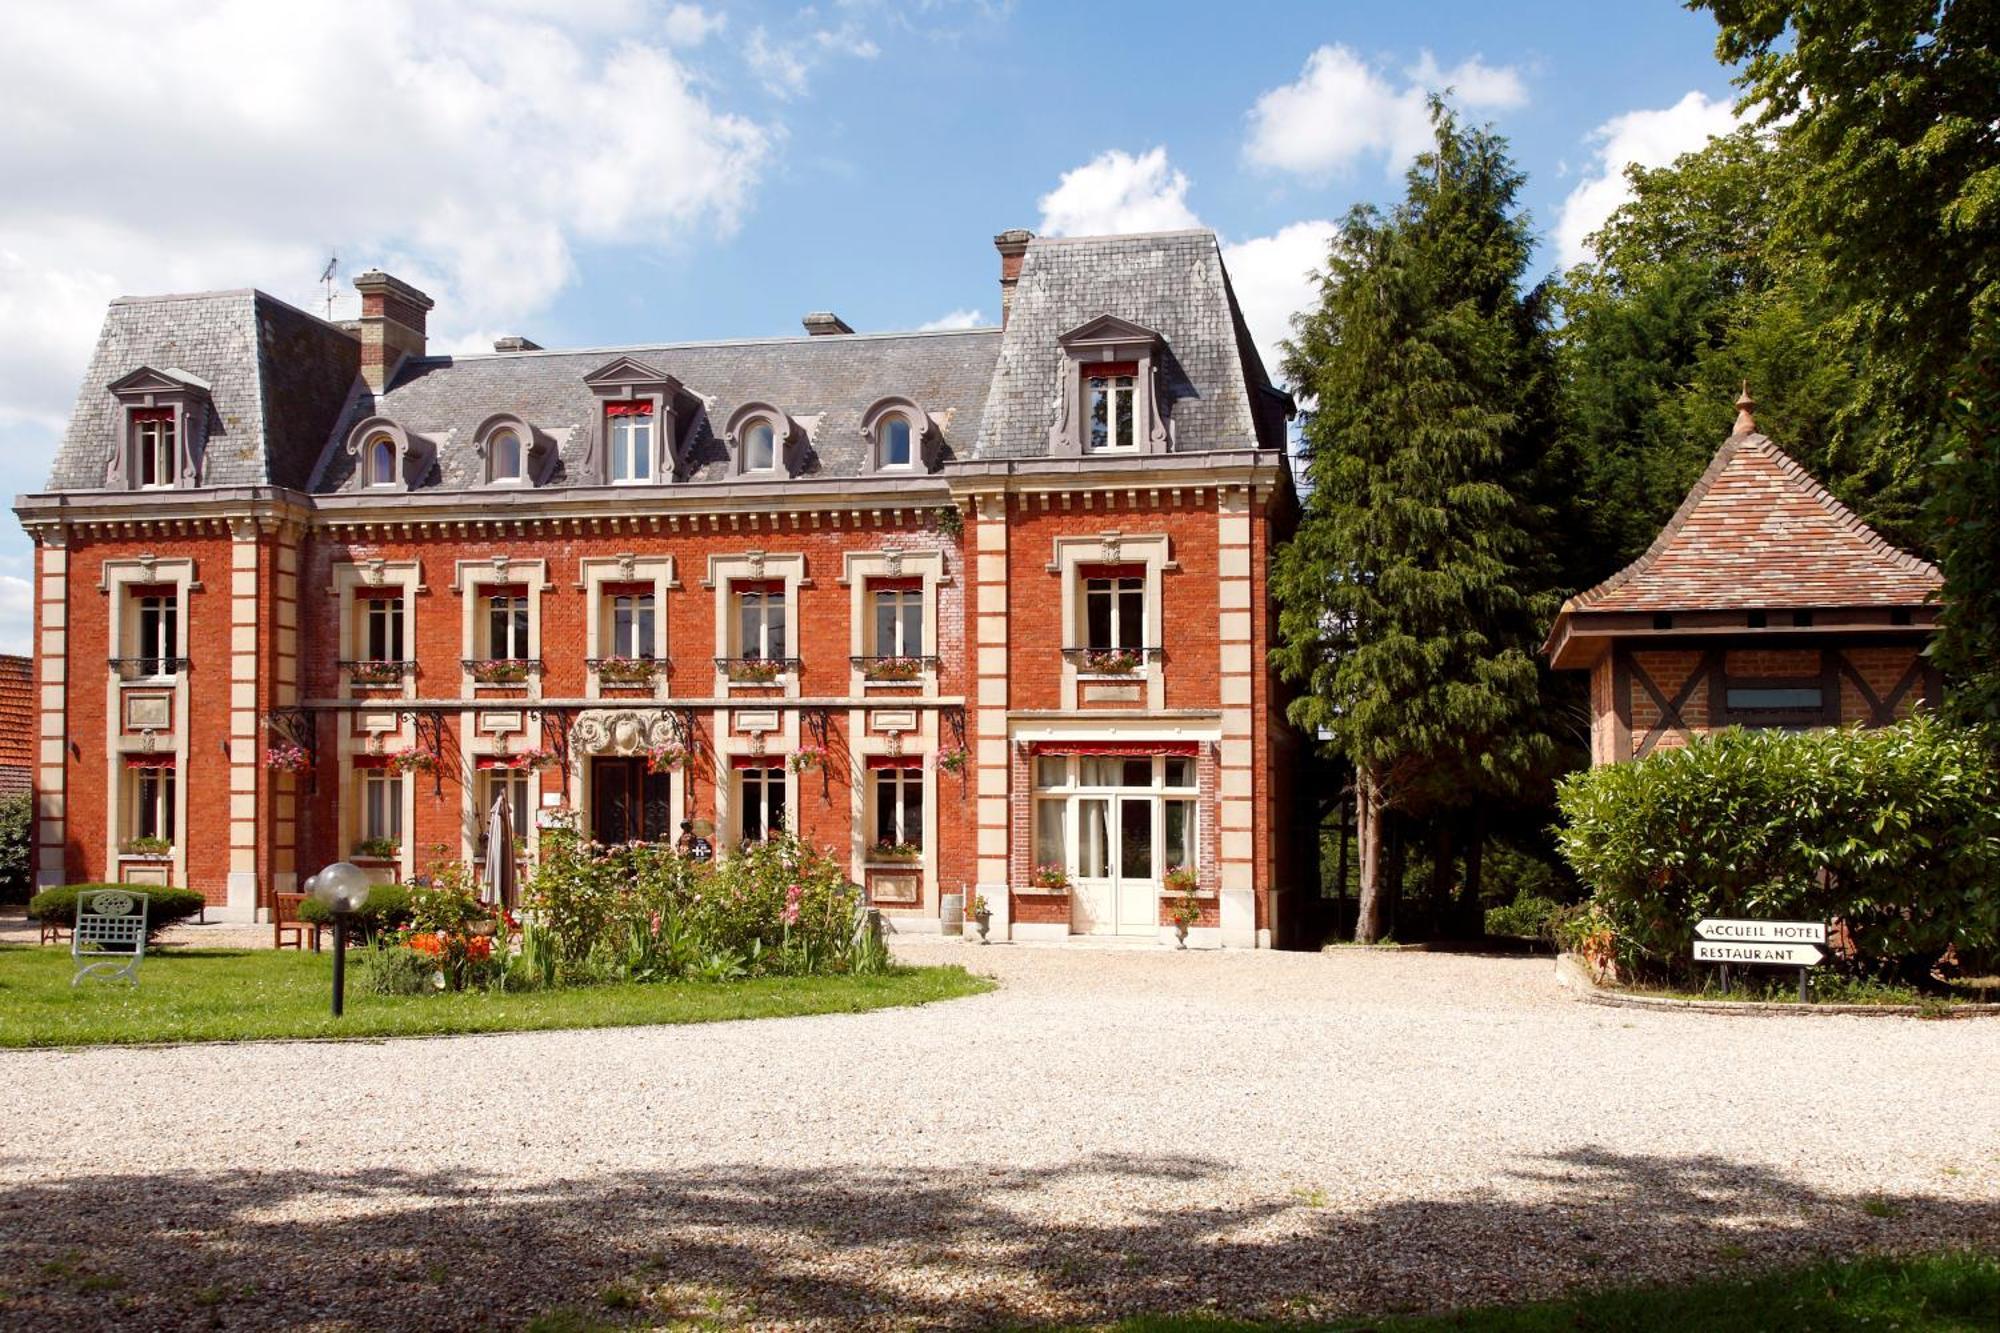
[[1137, 887], [628, 804]]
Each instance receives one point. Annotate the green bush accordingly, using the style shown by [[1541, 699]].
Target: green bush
[[1528, 916], [1895, 833], [164, 906], [17, 820], [394, 970], [388, 908]]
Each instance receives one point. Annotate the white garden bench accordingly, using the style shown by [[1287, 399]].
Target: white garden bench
[[111, 927]]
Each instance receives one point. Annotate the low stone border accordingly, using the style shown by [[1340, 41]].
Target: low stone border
[[1574, 976]]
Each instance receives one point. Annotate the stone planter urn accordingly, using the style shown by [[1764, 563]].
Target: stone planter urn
[[1180, 934], [985, 920]]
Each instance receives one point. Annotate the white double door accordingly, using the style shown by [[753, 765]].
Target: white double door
[[1118, 882]]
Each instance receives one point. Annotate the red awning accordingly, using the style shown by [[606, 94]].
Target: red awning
[[756, 761], [149, 761], [1132, 748], [153, 414], [639, 409], [895, 761]]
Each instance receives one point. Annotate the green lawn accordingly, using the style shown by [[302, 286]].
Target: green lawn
[[1943, 1293], [229, 995]]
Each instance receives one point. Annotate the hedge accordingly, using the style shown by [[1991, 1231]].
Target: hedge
[[1894, 833], [387, 908], [164, 906]]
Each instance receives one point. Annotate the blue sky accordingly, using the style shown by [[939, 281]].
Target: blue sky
[[632, 170]]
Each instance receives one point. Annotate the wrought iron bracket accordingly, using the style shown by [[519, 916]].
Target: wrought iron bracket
[[556, 723]]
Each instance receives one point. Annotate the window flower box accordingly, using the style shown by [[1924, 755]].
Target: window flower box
[[374, 671], [809, 756], [895, 670], [155, 847], [378, 849], [626, 670], [1110, 661], [753, 670], [500, 670], [901, 853], [1049, 878], [1180, 879], [410, 761]]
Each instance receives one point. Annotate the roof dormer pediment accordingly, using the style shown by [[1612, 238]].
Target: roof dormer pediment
[[147, 379], [1104, 330], [629, 372]]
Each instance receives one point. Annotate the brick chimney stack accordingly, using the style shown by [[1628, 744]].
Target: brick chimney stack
[[391, 325], [1012, 245], [824, 323]]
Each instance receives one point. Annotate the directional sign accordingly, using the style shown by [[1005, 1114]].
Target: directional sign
[[1778, 955], [1761, 932]]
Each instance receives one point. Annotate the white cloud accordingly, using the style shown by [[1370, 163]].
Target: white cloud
[[1342, 109], [1272, 279], [691, 25], [1643, 138], [17, 615], [467, 146], [957, 319], [786, 64], [1116, 192]]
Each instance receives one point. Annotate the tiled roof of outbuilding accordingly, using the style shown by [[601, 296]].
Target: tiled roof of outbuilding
[[277, 380], [1758, 532], [824, 383], [1170, 282], [17, 725]]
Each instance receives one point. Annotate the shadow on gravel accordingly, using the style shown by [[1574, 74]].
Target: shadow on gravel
[[954, 1246]]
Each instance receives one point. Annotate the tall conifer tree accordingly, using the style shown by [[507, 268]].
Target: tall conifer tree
[[1424, 568]]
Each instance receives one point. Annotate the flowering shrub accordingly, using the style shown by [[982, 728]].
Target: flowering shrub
[[448, 923], [667, 758], [1180, 879], [1187, 908], [952, 761], [285, 759], [1050, 878]]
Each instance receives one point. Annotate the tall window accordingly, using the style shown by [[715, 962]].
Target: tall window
[[152, 796], [1094, 813], [899, 806], [507, 625], [761, 793], [760, 623], [1108, 406], [153, 432], [381, 461], [895, 433], [504, 450], [1114, 612], [159, 634], [382, 629], [493, 784], [632, 625], [899, 622], [760, 447], [382, 804], [631, 426]]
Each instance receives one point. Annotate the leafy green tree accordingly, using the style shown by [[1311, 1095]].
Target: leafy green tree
[[1412, 597], [17, 824]]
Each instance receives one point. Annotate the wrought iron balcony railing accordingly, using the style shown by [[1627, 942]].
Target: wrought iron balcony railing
[[905, 667], [1111, 661], [756, 670], [148, 668], [501, 670]]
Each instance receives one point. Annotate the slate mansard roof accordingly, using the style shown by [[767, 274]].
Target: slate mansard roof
[[286, 388]]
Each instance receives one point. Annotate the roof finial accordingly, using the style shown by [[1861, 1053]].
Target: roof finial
[[1746, 424]]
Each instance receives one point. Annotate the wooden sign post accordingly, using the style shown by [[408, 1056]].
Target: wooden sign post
[[1761, 943]]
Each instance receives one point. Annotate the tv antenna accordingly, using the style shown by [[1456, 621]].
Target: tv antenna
[[326, 278]]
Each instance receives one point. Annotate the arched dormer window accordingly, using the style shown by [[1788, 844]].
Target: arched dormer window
[[761, 441], [512, 452], [385, 457], [897, 431]]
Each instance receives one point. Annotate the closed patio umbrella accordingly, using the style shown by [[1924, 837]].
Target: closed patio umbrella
[[497, 880]]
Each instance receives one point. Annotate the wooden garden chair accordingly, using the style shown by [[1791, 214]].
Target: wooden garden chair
[[285, 922]]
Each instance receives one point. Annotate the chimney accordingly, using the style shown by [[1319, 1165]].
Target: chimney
[[1012, 245], [391, 325], [515, 343], [821, 323]]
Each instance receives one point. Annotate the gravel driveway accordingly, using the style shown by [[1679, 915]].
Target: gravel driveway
[[1109, 1131]]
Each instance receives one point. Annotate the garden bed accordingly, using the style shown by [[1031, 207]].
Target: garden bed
[[1574, 974], [220, 995]]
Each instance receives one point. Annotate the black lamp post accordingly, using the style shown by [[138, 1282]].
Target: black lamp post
[[343, 889]]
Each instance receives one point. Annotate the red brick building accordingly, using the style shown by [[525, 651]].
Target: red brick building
[[953, 604], [1764, 602]]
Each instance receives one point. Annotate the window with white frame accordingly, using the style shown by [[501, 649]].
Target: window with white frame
[[1114, 611], [511, 783], [157, 630], [760, 447], [504, 459], [899, 807], [507, 624], [894, 432], [382, 629], [899, 622], [760, 622], [760, 803], [1082, 823], [154, 444], [381, 459], [630, 623], [630, 426], [381, 805], [1108, 406], [150, 798]]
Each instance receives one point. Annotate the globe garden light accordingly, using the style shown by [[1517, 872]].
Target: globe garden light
[[343, 889]]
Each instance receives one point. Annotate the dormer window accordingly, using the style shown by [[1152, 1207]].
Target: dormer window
[[381, 461], [514, 454], [896, 441], [506, 449], [385, 457], [761, 440], [1107, 393], [897, 431], [629, 427], [153, 445]]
